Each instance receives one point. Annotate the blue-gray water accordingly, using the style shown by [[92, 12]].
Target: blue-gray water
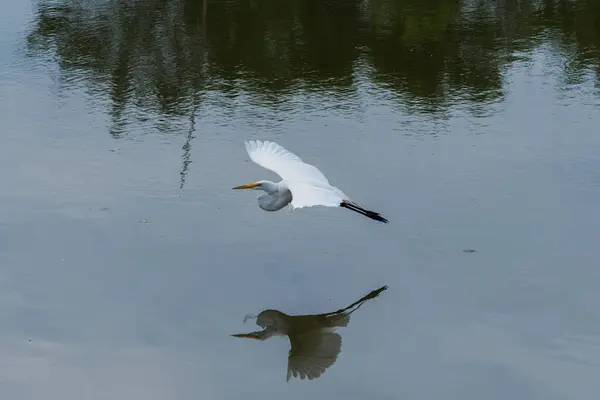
[[126, 260]]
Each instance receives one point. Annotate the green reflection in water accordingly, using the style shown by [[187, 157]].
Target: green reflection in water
[[162, 57]]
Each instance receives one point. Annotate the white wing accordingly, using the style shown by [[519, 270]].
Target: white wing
[[284, 163], [312, 353], [309, 195]]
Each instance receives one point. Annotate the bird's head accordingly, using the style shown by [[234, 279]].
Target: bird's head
[[272, 321]]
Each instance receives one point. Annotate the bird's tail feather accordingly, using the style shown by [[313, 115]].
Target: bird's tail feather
[[356, 208]]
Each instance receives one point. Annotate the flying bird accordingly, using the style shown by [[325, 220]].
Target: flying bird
[[302, 184], [314, 343]]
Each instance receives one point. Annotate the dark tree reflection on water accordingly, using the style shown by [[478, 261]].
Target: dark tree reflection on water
[[159, 58]]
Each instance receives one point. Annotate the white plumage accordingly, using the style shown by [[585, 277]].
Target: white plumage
[[302, 184], [284, 163]]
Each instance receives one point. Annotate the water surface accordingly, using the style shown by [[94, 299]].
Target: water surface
[[126, 260]]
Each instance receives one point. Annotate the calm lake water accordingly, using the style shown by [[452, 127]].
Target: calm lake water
[[126, 260]]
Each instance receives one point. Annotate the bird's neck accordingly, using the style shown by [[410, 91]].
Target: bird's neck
[[270, 187]]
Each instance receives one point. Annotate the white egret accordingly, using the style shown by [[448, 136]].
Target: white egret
[[302, 184], [314, 343]]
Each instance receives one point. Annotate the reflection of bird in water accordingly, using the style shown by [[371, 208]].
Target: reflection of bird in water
[[302, 185], [314, 343]]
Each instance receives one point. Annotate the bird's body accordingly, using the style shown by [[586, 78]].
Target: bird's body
[[276, 196], [302, 184], [314, 343]]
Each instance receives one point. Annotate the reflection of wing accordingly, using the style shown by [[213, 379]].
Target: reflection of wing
[[284, 163], [312, 353]]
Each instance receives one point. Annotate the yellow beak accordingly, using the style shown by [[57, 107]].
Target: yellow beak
[[248, 186]]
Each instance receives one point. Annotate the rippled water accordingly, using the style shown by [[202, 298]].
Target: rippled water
[[126, 260]]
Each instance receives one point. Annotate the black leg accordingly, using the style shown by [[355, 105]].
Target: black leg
[[370, 214]]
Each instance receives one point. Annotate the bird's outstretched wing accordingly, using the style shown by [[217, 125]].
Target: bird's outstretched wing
[[306, 194], [312, 353], [284, 163]]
